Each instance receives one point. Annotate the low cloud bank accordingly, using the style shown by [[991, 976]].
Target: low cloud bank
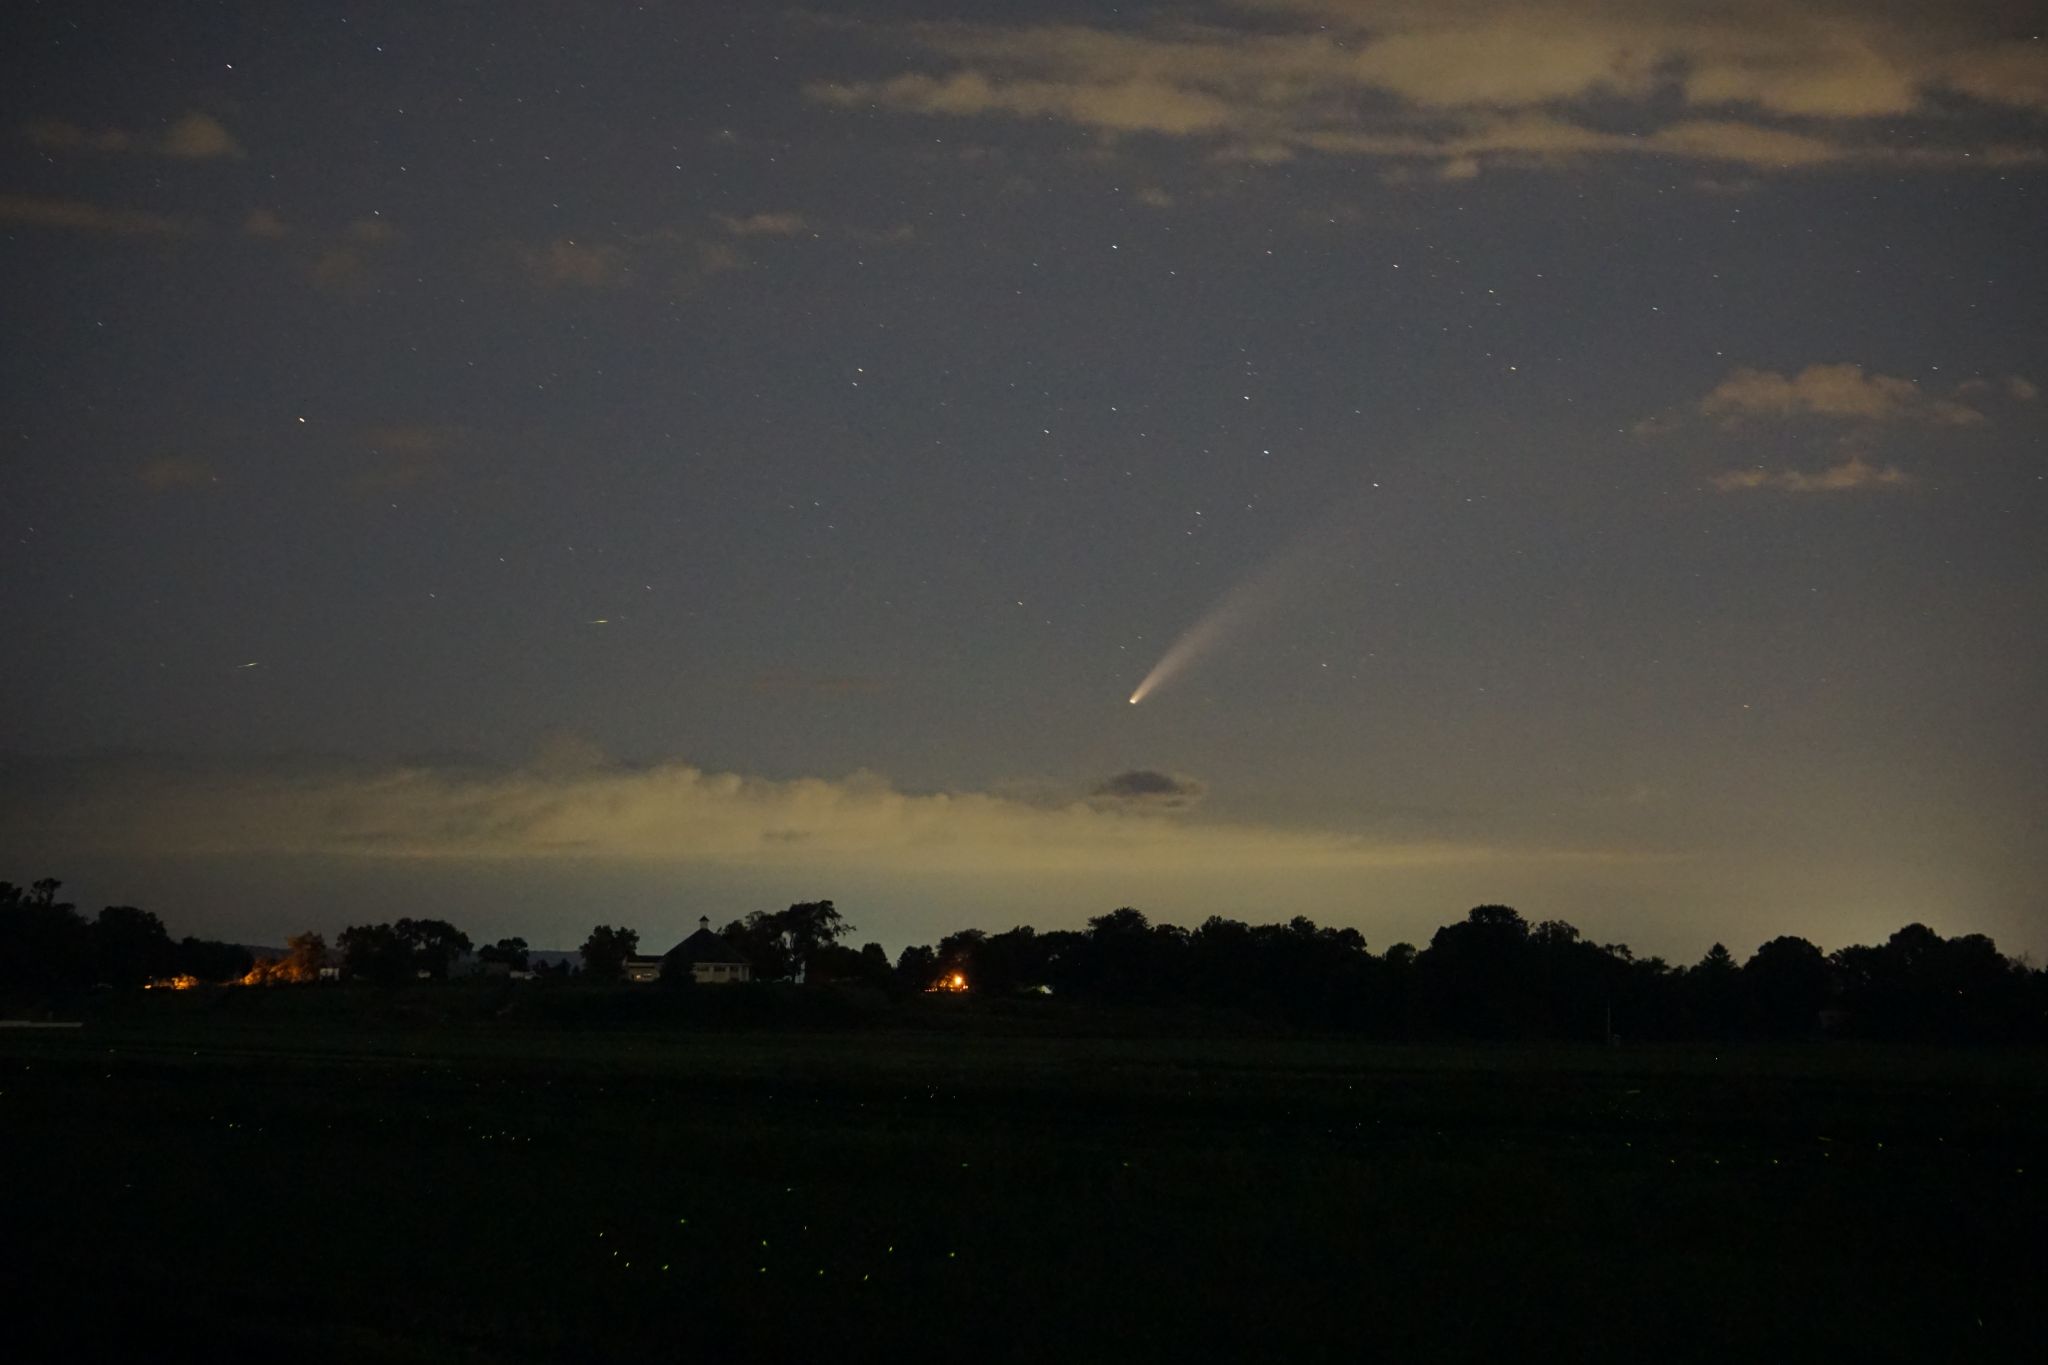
[[674, 814]]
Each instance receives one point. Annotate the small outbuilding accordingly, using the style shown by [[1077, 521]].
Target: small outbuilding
[[708, 959]]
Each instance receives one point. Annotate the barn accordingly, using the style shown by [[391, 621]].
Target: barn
[[707, 958]]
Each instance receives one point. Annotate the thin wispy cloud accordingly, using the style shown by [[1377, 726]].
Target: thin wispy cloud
[[192, 136], [676, 261], [169, 472], [764, 224], [78, 215], [1850, 476]]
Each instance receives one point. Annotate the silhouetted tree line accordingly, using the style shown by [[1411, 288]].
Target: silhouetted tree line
[[1491, 975], [409, 949], [48, 950], [1494, 975]]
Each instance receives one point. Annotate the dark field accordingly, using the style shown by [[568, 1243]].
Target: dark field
[[331, 1183]]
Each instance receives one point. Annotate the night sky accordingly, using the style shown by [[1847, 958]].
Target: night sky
[[547, 463]]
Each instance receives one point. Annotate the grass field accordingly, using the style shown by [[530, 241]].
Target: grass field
[[340, 1184]]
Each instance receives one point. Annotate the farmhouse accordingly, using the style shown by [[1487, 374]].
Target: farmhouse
[[642, 969], [708, 959]]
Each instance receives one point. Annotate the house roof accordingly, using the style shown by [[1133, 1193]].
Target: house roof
[[704, 946]]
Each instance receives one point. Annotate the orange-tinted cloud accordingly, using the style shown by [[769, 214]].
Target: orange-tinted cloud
[[199, 137], [265, 224], [567, 263], [76, 215], [404, 455], [765, 225], [57, 135], [1462, 82], [349, 264], [668, 259], [176, 471], [1839, 391], [1850, 476], [191, 137]]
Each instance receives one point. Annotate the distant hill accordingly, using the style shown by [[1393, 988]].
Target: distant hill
[[537, 956]]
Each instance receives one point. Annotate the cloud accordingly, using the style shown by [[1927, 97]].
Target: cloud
[[1852, 475], [764, 225], [2018, 388], [56, 135], [372, 231], [406, 454], [265, 224], [348, 265], [199, 137], [1145, 787], [341, 270], [671, 815], [76, 215], [176, 471], [1465, 82], [1840, 391], [192, 137], [1851, 408], [568, 263], [669, 258]]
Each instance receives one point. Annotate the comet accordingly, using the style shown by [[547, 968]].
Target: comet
[[1273, 583]]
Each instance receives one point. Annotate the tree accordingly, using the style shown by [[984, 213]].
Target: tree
[[45, 944], [211, 960], [1786, 982], [606, 950], [130, 947], [917, 967], [1920, 985], [1471, 977], [1713, 991], [961, 954], [304, 955], [375, 952], [837, 962], [809, 926], [435, 944], [512, 952], [1125, 958], [763, 941]]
